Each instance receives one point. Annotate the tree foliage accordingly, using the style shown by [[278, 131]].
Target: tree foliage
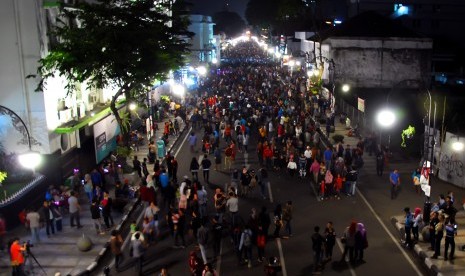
[[228, 22], [115, 42], [277, 15]]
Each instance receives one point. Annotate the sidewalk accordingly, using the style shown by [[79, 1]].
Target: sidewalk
[[59, 253], [436, 266], [439, 266]]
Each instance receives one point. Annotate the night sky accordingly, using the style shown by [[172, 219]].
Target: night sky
[[209, 7]]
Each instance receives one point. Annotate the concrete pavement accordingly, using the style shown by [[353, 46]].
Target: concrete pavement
[[59, 252]]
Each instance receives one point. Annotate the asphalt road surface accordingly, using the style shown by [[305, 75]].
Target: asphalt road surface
[[371, 205]]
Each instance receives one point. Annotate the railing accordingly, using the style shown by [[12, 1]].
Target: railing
[[17, 195]]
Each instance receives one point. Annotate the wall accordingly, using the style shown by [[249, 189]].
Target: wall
[[451, 166], [379, 63]]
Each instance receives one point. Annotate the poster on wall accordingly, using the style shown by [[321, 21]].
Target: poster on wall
[[105, 133]]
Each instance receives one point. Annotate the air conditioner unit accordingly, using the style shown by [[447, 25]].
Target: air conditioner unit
[[68, 141]]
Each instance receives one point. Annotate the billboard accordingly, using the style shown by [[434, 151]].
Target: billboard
[[105, 133]]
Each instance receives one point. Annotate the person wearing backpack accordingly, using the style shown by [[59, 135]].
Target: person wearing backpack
[[245, 245], [417, 223]]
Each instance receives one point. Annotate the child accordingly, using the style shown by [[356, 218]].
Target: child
[[133, 227], [338, 186], [322, 190]]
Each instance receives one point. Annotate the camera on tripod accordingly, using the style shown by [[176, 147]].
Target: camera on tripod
[[28, 246]]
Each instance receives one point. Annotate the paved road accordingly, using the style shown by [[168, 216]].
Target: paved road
[[371, 205]]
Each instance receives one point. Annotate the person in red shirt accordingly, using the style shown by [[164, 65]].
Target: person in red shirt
[[338, 185], [17, 258]]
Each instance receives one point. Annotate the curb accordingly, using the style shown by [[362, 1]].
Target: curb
[[123, 221], [417, 249]]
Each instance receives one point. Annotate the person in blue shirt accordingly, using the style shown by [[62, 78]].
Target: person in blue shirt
[[328, 154], [451, 232], [394, 179]]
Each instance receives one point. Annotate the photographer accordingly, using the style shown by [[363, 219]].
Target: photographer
[[17, 258]]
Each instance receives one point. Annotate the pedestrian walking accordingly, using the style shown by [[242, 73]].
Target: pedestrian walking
[[317, 247], [137, 251], [116, 243], [261, 243], [330, 240], [33, 223], [245, 245], [451, 232], [48, 217], [136, 165], [315, 170], [434, 220], [348, 239], [192, 140], [263, 182], [194, 168], [264, 220], [217, 156], [439, 233], [287, 218], [232, 204], [179, 221], [107, 205], [195, 264], [394, 179], [417, 223], [278, 220], [74, 209], [361, 242], [202, 239], [206, 164], [217, 233], [96, 218], [409, 221]]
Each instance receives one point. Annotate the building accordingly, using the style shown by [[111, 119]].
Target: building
[[70, 130], [204, 45], [443, 21]]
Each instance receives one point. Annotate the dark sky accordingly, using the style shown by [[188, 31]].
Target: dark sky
[[209, 7]]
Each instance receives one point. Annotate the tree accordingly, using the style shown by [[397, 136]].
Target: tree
[[228, 22], [129, 44]]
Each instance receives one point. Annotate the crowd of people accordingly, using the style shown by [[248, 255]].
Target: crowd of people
[[234, 104]]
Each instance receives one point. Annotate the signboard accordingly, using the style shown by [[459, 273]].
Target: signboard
[[105, 133], [361, 104]]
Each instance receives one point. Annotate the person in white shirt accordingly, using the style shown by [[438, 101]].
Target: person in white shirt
[[233, 207], [33, 219], [292, 167]]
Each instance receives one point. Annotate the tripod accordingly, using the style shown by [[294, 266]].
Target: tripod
[[29, 266]]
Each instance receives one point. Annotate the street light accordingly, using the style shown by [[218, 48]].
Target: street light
[[345, 88], [457, 145], [132, 106], [386, 118], [29, 159], [201, 70]]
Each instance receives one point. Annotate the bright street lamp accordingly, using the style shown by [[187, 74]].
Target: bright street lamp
[[345, 88], [291, 63], [386, 118], [457, 146], [202, 70], [132, 106], [214, 60], [29, 159], [178, 90]]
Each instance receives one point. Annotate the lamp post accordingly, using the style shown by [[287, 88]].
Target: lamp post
[[30, 159]]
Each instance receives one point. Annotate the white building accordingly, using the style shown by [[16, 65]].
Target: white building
[[204, 45], [70, 130]]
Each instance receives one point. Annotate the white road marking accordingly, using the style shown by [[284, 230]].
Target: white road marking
[[269, 191], [281, 257], [183, 141], [246, 160], [390, 235], [315, 191], [341, 247], [218, 262]]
